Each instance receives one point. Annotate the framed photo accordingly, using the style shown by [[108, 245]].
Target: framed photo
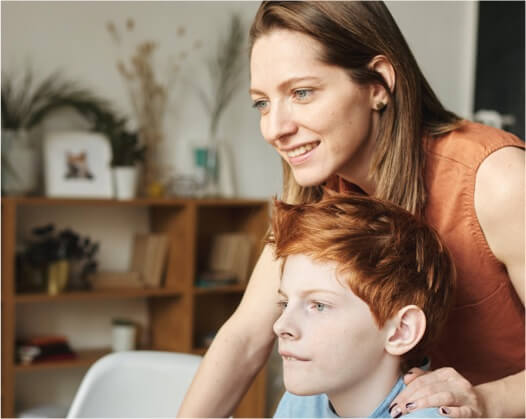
[[77, 164]]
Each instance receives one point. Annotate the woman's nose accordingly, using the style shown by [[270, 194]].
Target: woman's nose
[[278, 124], [285, 327]]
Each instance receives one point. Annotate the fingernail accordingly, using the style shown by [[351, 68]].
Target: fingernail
[[445, 411], [391, 407], [410, 406], [396, 412]]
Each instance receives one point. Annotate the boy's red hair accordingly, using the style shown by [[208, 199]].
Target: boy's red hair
[[388, 257]]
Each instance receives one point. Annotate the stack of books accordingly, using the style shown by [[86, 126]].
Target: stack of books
[[229, 260], [149, 258], [43, 348], [147, 266]]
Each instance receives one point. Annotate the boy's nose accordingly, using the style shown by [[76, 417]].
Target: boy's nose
[[285, 328]]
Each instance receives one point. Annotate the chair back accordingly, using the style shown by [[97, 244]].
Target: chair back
[[135, 384]]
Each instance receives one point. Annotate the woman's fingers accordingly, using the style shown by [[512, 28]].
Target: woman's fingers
[[444, 388], [457, 412], [412, 374], [422, 400]]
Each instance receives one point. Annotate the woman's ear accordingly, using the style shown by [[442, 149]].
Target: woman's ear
[[405, 330], [383, 66]]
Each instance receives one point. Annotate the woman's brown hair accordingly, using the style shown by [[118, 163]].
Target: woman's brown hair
[[387, 256], [352, 33]]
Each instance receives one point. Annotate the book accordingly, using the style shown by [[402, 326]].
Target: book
[[149, 258], [230, 253], [113, 280], [43, 348]]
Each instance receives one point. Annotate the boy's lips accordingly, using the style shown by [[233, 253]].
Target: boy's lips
[[289, 356]]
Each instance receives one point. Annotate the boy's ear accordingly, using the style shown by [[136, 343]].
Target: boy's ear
[[405, 330]]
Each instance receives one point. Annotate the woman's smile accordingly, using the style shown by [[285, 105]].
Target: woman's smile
[[301, 154]]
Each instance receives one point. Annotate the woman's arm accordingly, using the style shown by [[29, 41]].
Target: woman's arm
[[499, 204], [240, 348]]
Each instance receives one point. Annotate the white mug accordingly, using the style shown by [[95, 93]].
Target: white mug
[[123, 337]]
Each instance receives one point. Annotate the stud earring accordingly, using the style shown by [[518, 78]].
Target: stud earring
[[380, 106]]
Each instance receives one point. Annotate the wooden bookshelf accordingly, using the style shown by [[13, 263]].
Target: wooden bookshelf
[[180, 313]]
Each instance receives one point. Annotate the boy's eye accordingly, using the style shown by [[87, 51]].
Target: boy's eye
[[282, 305], [302, 94], [320, 306]]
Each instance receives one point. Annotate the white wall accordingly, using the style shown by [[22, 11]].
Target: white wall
[[72, 36], [442, 36]]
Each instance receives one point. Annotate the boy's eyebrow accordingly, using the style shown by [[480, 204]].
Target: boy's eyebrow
[[287, 83], [318, 291], [309, 292]]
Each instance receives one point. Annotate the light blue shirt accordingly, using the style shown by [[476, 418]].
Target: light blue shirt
[[318, 406]]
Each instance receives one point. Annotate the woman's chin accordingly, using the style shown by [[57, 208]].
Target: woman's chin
[[308, 179]]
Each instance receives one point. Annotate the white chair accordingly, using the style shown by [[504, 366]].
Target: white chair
[[135, 384]]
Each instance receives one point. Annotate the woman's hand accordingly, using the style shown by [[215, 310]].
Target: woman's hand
[[444, 388]]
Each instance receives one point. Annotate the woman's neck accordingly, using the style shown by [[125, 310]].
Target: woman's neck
[[357, 168]]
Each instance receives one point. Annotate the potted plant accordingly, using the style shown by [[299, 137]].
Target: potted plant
[[126, 149], [149, 90], [127, 152], [25, 104], [52, 261]]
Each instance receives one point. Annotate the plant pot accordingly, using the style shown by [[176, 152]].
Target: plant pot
[[20, 163], [125, 181], [57, 279]]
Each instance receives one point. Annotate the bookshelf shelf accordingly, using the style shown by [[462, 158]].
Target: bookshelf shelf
[[180, 315], [96, 295], [219, 289], [84, 359]]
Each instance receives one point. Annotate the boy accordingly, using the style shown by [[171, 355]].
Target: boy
[[365, 289]]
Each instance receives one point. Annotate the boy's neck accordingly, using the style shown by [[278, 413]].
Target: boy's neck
[[364, 397]]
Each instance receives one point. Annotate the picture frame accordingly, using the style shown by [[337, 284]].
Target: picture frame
[[77, 165]]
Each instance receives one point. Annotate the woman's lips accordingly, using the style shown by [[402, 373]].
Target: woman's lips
[[307, 151]]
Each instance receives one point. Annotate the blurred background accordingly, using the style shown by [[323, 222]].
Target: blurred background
[[173, 76]]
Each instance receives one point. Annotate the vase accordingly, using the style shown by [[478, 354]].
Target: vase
[[20, 163], [57, 276], [225, 173], [205, 171], [125, 182], [214, 170]]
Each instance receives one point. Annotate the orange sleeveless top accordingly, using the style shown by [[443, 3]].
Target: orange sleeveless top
[[484, 336]]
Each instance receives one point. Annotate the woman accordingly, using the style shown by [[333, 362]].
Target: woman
[[343, 102]]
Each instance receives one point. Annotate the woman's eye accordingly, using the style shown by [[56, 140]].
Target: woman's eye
[[260, 105], [302, 94]]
